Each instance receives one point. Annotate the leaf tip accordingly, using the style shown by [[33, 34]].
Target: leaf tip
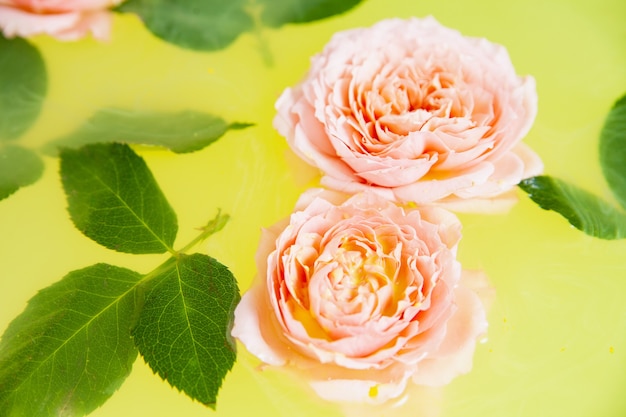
[[240, 125]]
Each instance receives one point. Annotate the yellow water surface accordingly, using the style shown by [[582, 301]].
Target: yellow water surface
[[557, 338]]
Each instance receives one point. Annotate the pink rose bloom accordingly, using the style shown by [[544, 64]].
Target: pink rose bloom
[[416, 112], [363, 296], [62, 19]]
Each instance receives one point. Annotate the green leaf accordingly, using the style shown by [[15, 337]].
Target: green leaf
[[114, 199], [193, 24], [181, 132], [215, 24], [279, 12], [18, 167], [23, 85], [582, 209], [183, 331], [71, 348], [613, 150]]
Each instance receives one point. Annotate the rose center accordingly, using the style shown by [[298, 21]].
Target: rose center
[[402, 100], [441, 97], [360, 270]]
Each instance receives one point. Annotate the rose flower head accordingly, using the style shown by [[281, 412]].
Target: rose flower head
[[415, 112], [62, 19], [362, 296]]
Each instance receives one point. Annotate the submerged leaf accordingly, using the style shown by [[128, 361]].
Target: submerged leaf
[[183, 331], [193, 24], [23, 85], [114, 199], [279, 12], [613, 150], [71, 348], [215, 24], [18, 167], [582, 209], [181, 132]]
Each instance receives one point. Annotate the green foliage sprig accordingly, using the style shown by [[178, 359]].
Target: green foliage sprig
[[23, 86], [76, 341]]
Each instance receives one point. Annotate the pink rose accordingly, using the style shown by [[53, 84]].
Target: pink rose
[[417, 113], [62, 19], [363, 296]]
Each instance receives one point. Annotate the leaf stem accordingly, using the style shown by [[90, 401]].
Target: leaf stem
[[213, 226], [254, 10]]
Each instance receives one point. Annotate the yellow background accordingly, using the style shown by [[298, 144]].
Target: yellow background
[[557, 337]]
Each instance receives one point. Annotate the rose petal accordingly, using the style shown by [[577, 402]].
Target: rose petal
[[64, 20], [359, 391], [454, 356], [16, 22], [251, 326], [41, 6]]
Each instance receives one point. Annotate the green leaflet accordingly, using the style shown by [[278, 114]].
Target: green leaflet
[[183, 331], [181, 132], [215, 24], [276, 13], [582, 209], [114, 199], [23, 85], [18, 167], [70, 349], [193, 24], [613, 150]]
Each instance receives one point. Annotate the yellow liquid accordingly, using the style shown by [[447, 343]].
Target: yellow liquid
[[557, 338]]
